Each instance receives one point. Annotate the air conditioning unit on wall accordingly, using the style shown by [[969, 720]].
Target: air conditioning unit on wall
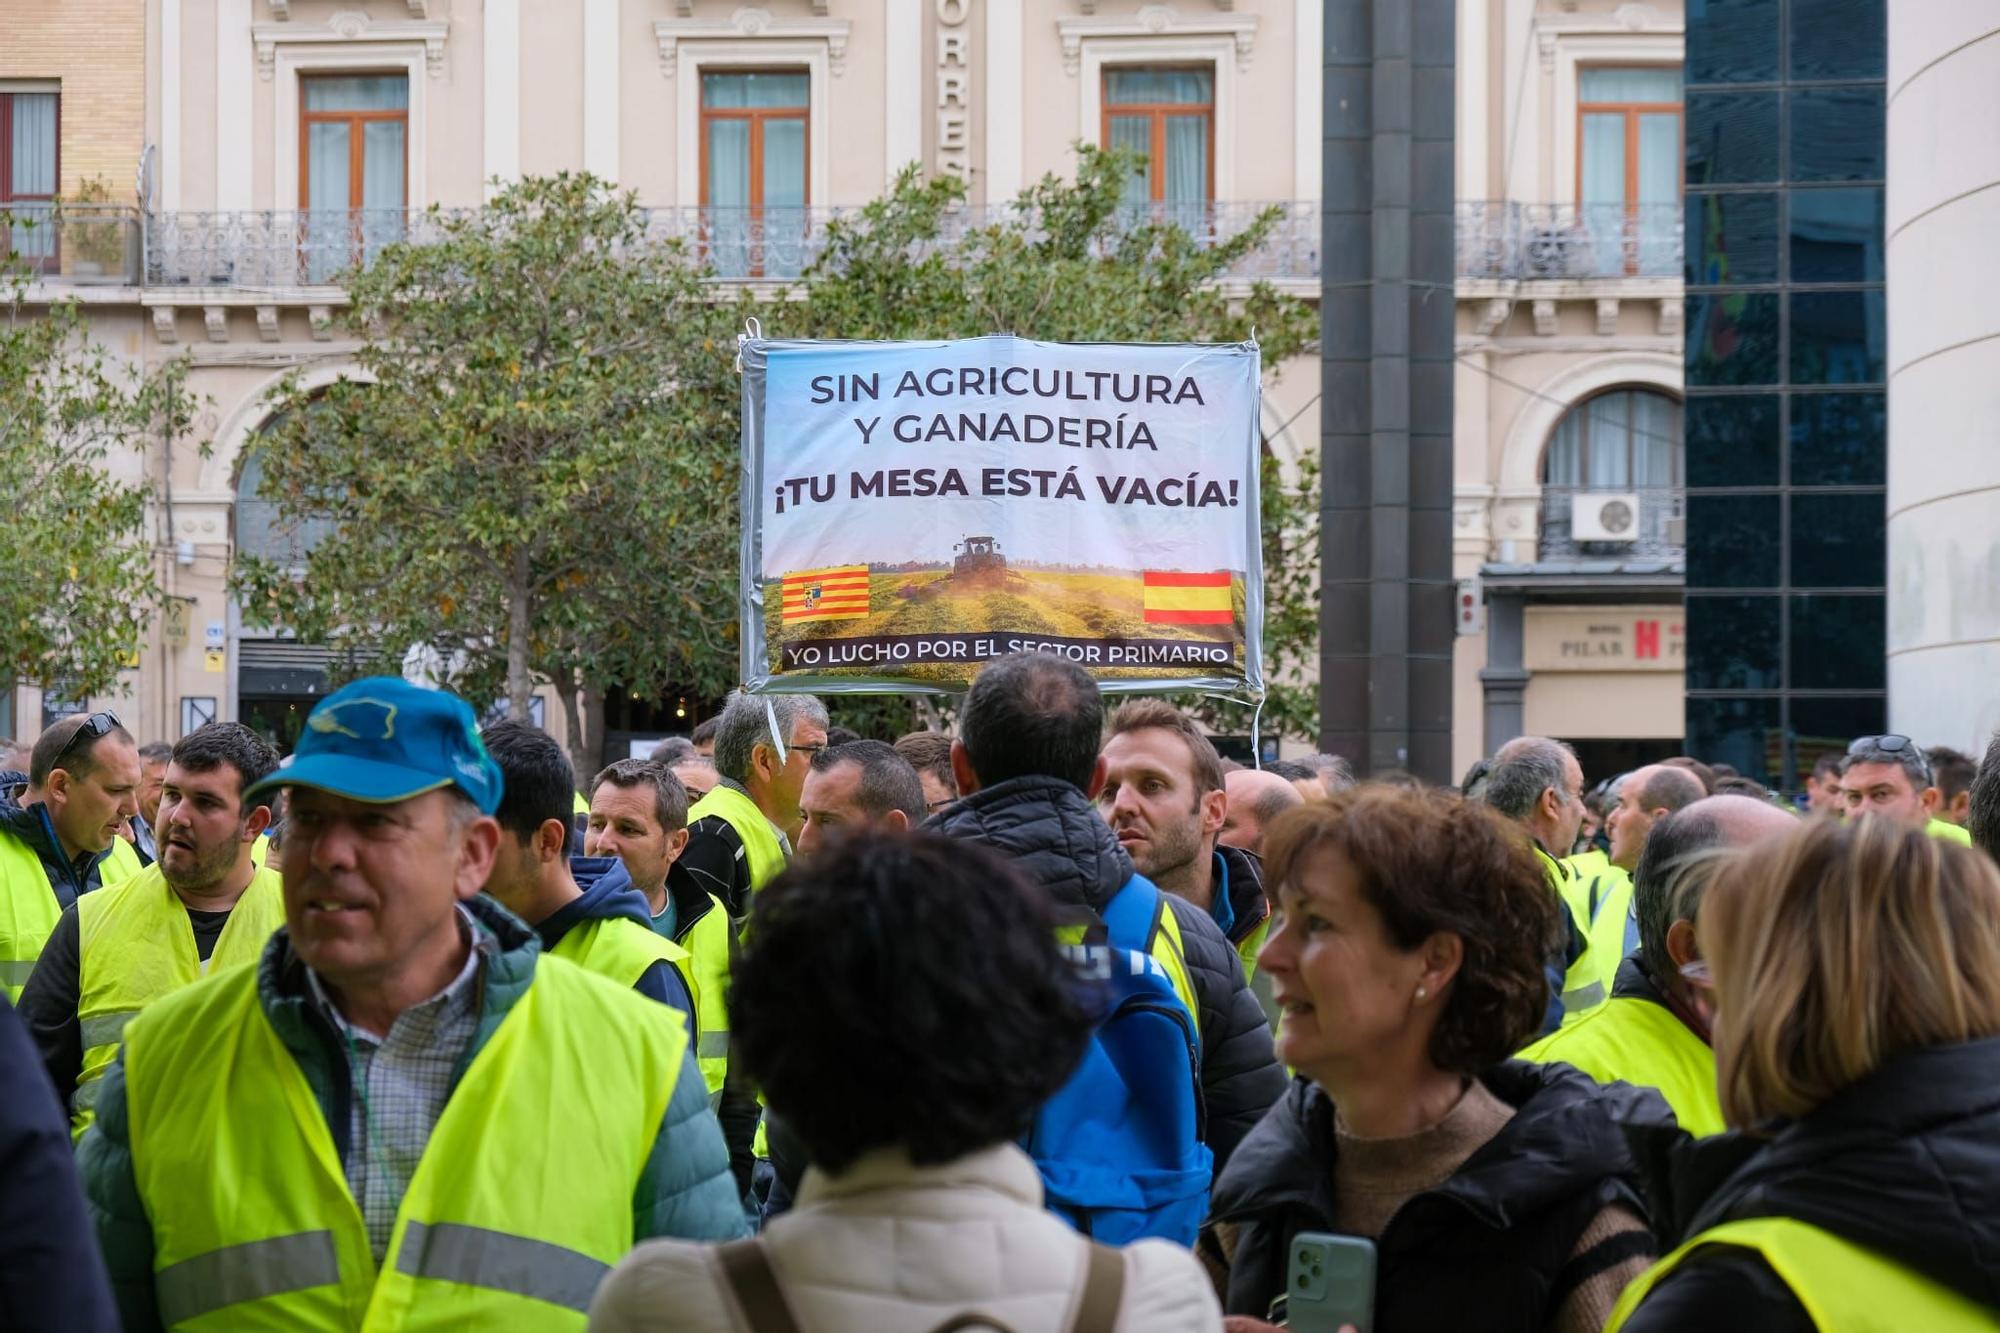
[[1604, 516]]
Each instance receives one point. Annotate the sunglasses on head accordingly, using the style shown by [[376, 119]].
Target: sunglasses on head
[[97, 726], [1891, 744]]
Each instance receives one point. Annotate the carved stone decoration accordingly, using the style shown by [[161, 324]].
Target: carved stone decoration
[[1494, 315], [1156, 18], [1635, 17], [685, 8], [216, 318], [163, 324], [281, 10], [1546, 44], [352, 25], [267, 323], [321, 319], [1155, 21], [752, 22], [1672, 313], [348, 23], [1607, 316], [822, 7], [1545, 319], [420, 9]]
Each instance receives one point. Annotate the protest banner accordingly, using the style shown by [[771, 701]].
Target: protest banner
[[912, 510]]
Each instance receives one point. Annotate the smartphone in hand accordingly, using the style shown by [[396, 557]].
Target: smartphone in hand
[[1330, 1284]]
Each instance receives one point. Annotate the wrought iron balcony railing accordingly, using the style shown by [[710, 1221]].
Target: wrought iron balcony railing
[[79, 244], [1658, 531], [1499, 239], [304, 249]]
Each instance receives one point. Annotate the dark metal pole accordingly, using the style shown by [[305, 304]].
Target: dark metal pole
[[1386, 349]]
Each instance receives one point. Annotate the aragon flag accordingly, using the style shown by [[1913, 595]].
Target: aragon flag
[[838, 593], [1173, 598]]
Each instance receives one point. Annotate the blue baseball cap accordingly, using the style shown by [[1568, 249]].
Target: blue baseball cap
[[383, 739]]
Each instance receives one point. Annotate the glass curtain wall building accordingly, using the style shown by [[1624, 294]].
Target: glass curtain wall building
[[1786, 417]]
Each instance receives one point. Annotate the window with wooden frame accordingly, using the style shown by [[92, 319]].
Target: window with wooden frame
[[755, 162], [1166, 114], [354, 132], [30, 168], [1628, 159]]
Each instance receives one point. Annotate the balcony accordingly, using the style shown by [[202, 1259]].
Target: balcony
[[1565, 242], [64, 244], [1658, 531], [267, 250]]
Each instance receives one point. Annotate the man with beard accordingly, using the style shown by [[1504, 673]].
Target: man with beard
[[204, 905]]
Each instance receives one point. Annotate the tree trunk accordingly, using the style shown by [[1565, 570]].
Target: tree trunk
[[519, 685], [579, 751], [593, 723], [928, 714]]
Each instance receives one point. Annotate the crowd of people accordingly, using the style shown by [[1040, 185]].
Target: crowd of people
[[1059, 1022]]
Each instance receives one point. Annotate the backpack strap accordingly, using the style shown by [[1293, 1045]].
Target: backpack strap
[[1103, 1291], [746, 1265]]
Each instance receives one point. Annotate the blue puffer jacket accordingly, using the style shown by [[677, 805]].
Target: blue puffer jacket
[[685, 1192]]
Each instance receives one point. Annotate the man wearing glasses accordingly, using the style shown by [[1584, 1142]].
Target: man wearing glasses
[[83, 781], [1889, 776]]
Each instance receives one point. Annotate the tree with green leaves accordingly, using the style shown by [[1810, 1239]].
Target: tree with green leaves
[[1072, 263], [532, 474], [82, 582]]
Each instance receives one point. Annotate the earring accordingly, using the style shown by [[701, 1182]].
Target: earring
[[1421, 992]]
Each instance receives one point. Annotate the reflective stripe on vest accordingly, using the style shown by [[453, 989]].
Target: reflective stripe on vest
[[620, 950], [118, 865], [1250, 946], [761, 849], [706, 943], [1845, 1288], [136, 944], [1583, 989], [494, 1231], [28, 912], [1636, 1041], [1601, 903]]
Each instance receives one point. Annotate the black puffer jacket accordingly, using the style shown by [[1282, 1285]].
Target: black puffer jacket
[[1492, 1247], [1055, 836], [1905, 1163]]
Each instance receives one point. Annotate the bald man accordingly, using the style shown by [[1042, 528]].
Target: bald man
[[1654, 1031], [1255, 798]]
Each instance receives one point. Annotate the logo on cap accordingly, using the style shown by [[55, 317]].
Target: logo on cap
[[362, 719]]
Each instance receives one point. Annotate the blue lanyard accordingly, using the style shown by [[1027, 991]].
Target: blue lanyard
[[69, 870]]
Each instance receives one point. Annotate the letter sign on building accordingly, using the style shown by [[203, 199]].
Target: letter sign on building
[[954, 89]]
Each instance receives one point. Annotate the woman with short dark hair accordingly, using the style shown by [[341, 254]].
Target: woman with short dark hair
[[1408, 965], [905, 1007]]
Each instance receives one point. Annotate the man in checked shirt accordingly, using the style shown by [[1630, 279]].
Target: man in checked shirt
[[404, 1114]]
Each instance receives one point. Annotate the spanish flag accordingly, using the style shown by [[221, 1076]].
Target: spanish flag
[[839, 593], [1174, 598]]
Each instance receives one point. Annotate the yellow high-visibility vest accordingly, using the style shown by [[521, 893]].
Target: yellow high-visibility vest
[[1845, 1288], [620, 950], [1636, 1041], [253, 1222], [28, 912], [1950, 832], [761, 848], [136, 944], [1583, 986], [705, 945], [119, 864], [1599, 897]]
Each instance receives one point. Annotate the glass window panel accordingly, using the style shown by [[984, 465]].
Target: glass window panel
[[1732, 138], [1656, 83], [1732, 340], [1604, 158], [1838, 540], [32, 146], [1732, 440], [1829, 724], [1732, 239], [1732, 41], [382, 164], [784, 163], [1732, 541], [729, 163], [1656, 440], [1734, 642], [1837, 134], [1838, 643], [1608, 462], [1135, 133], [1836, 235], [759, 90], [327, 165], [1837, 39], [357, 92], [1837, 337], [1743, 733], [1186, 184], [1564, 463], [1659, 158], [1144, 87], [1839, 439]]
